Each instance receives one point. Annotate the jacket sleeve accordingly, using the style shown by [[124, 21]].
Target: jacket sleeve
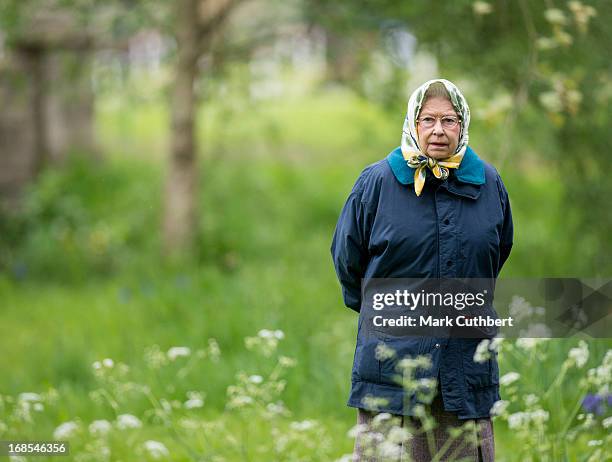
[[349, 247], [507, 233]]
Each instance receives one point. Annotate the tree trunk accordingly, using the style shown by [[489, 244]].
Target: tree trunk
[[180, 220], [20, 143]]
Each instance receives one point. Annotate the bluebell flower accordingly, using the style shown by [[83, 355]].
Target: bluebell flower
[[595, 403]]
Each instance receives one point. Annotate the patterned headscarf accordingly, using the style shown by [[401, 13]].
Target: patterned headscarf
[[415, 157]]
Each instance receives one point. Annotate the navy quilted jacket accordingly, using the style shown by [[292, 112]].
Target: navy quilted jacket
[[457, 228]]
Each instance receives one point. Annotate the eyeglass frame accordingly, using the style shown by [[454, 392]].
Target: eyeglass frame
[[458, 121]]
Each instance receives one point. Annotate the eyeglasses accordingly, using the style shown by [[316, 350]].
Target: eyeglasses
[[446, 121]]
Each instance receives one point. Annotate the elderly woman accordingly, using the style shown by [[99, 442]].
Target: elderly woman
[[431, 209]]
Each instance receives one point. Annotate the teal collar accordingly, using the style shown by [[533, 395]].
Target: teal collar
[[471, 169]]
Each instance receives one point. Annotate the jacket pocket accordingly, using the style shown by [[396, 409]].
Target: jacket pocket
[[366, 366]]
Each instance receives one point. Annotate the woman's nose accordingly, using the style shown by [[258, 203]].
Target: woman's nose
[[437, 128]]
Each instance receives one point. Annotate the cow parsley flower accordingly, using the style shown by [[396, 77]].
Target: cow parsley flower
[[580, 354], [29, 397], [193, 403], [482, 353], [304, 425], [65, 430], [499, 407], [156, 449], [256, 379], [125, 421], [100, 427], [509, 378], [178, 351]]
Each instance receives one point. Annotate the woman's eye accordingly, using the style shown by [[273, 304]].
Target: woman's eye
[[428, 120]]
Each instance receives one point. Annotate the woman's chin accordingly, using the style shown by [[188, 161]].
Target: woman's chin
[[438, 153]]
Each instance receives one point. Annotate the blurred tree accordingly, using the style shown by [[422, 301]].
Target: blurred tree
[[210, 36], [196, 23], [46, 91]]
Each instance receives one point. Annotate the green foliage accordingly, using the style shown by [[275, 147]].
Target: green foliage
[[80, 220]]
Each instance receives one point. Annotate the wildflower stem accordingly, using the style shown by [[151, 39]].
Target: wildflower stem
[[557, 380], [570, 419], [111, 401]]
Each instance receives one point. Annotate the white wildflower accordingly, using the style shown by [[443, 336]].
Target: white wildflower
[[539, 416], [256, 379], [580, 354], [240, 400], [276, 408], [178, 351], [383, 352], [65, 430], [589, 421], [482, 353], [536, 331], [496, 343], [193, 403], [213, 349], [592, 443], [265, 333], [529, 343], [398, 435], [29, 397], [156, 449], [389, 450], [279, 334], [607, 422], [125, 421], [357, 430], [17, 459], [499, 407], [517, 420], [304, 425], [100, 427], [600, 377], [481, 8], [555, 16], [380, 418], [408, 365], [108, 363], [419, 410], [374, 402], [531, 400], [582, 14], [285, 361], [509, 378], [520, 308], [96, 365]]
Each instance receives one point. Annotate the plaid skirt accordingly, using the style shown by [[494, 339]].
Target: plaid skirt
[[385, 437]]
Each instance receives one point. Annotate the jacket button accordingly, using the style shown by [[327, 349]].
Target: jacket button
[[449, 263], [437, 345], [447, 221]]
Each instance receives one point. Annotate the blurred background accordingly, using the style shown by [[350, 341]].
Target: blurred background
[[171, 173]]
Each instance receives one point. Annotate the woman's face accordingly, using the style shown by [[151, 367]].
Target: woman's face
[[438, 142]]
